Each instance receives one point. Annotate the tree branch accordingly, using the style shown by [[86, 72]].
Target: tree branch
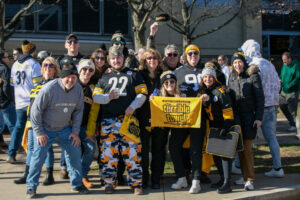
[[154, 4]]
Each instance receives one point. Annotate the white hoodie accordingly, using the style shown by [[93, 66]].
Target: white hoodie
[[268, 74]]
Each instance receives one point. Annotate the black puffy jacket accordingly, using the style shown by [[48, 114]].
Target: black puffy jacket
[[6, 91], [248, 99]]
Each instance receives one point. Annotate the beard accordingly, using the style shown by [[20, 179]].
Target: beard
[[69, 86]]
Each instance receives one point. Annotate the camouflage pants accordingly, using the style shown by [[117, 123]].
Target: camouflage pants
[[114, 144]]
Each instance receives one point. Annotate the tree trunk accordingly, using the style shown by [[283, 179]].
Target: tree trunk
[[139, 34], [186, 40]]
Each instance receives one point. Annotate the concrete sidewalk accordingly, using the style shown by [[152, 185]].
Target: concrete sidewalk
[[265, 187]]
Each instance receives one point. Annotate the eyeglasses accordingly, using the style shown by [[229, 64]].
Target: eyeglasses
[[121, 43], [172, 54], [170, 82], [152, 57], [88, 69], [72, 41], [100, 58], [193, 52], [49, 65]]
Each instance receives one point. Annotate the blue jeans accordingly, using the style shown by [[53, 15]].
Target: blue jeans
[[88, 152], [30, 148], [268, 128], [17, 133], [9, 117], [40, 153]]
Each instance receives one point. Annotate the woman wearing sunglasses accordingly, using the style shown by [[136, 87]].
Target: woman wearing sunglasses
[[220, 113], [99, 59], [50, 70], [150, 68]]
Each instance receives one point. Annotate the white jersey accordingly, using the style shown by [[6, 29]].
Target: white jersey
[[24, 76]]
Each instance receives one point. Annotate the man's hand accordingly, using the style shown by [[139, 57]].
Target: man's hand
[[113, 95], [153, 28], [76, 141], [42, 140], [129, 111], [91, 138]]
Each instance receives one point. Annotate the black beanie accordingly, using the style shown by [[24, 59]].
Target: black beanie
[[239, 55], [117, 37], [167, 75], [67, 70]]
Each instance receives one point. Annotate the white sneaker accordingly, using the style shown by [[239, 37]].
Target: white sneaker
[[181, 183], [292, 128], [274, 173], [196, 188], [240, 181], [235, 170], [249, 186]]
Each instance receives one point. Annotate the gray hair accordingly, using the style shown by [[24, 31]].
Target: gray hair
[[171, 47]]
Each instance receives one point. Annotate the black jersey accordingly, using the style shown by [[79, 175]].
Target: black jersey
[[188, 79], [129, 82]]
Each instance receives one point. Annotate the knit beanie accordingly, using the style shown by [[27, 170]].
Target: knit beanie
[[191, 47], [117, 37], [85, 63], [68, 70], [28, 47], [209, 71], [238, 55], [167, 75]]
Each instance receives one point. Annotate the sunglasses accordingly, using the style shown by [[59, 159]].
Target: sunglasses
[[88, 69], [100, 58], [152, 57], [172, 54], [49, 65], [15, 54], [72, 41], [121, 43], [170, 82], [193, 52]]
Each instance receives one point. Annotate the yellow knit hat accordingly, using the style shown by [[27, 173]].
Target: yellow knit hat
[[28, 47], [191, 47]]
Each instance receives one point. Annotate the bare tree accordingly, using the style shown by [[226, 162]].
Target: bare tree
[[8, 28], [140, 12], [188, 18]]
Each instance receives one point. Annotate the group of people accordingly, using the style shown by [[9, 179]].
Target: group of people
[[73, 97]]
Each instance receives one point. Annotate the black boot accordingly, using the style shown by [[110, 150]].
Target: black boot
[[22, 180], [218, 184], [49, 180], [226, 187]]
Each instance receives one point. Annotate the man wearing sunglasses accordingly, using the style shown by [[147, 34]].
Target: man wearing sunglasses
[[130, 61], [72, 45]]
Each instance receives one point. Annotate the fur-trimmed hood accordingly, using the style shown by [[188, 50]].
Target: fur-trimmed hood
[[252, 69]]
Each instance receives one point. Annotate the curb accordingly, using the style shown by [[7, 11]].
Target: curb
[[290, 192]]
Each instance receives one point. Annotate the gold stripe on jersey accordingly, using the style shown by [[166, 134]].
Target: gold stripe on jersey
[[98, 91], [11, 80], [37, 79], [227, 113], [208, 111], [142, 88]]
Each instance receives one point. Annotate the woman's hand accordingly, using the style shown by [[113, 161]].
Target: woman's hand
[[151, 97], [204, 97], [257, 123]]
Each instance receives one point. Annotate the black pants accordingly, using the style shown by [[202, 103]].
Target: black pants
[[159, 139], [178, 136], [285, 110]]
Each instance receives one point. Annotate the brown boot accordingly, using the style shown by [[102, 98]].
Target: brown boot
[[87, 183]]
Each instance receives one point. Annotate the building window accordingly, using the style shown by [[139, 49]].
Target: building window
[[91, 16]]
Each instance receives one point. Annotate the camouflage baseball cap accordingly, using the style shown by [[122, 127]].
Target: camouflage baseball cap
[[115, 51]]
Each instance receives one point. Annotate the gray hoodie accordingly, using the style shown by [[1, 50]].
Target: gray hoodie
[[54, 108]]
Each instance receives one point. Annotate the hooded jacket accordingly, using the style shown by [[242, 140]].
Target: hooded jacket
[[248, 98], [269, 77], [6, 91]]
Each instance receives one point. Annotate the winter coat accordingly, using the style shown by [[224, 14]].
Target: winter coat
[[248, 99], [6, 91]]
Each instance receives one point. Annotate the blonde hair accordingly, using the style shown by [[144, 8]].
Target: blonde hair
[[52, 61]]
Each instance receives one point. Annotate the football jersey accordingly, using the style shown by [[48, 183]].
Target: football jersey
[[128, 82], [188, 79], [24, 76]]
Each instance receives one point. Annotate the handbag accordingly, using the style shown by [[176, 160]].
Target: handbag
[[224, 146]]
